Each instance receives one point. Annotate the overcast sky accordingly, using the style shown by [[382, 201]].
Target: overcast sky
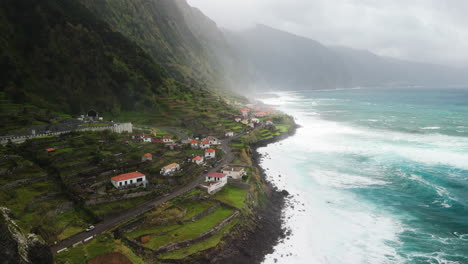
[[422, 30]]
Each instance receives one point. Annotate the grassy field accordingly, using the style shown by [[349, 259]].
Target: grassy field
[[162, 235], [203, 245], [232, 196], [100, 245]]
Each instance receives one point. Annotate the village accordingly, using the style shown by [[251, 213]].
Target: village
[[146, 182]]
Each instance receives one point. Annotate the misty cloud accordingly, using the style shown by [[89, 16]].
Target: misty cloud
[[421, 30]]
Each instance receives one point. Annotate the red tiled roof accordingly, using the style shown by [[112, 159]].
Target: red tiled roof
[[244, 109], [205, 142], [210, 150], [127, 176], [148, 155], [50, 149], [194, 142], [166, 137], [216, 175], [197, 158], [170, 166]]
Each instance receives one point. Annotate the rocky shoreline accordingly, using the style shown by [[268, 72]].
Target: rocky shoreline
[[251, 243]]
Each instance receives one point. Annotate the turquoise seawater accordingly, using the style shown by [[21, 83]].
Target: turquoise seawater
[[378, 176]]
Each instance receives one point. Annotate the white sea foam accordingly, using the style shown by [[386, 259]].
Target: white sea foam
[[430, 128]]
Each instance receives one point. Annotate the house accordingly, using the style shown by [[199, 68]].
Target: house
[[170, 169], [251, 124], [255, 120], [205, 144], [147, 157], [210, 153], [127, 179], [229, 133], [49, 150], [245, 112], [269, 123], [245, 121], [212, 140], [194, 144], [234, 172], [237, 119], [157, 140], [260, 114], [138, 136], [214, 182], [146, 139], [167, 139], [198, 160]]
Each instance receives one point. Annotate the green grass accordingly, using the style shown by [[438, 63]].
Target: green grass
[[99, 245], [176, 233], [203, 245], [232, 196], [105, 209], [195, 207]]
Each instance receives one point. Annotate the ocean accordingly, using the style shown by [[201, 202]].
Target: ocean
[[376, 176]]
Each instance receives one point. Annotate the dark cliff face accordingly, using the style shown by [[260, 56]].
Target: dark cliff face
[[19, 248]]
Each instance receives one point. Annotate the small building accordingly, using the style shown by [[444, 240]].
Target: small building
[[260, 114], [234, 172], [157, 140], [255, 120], [212, 140], [245, 122], [127, 179], [50, 150], [198, 160], [147, 157], [214, 182], [170, 169], [146, 139], [269, 123], [245, 112], [194, 144], [205, 144], [237, 119], [167, 139], [251, 124], [138, 136], [229, 133], [210, 153]]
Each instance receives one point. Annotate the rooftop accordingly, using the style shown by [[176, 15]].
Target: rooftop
[[216, 175], [126, 176]]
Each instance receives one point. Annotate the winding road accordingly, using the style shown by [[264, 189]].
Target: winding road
[[129, 214]]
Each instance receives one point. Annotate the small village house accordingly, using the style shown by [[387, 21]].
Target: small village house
[[170, 169], [245, 121], [50, 150], [205, 144], [215, 181], [194, 144], [146, 139], [260, 114], [157, 140], [210, 153], [128, 179], [198, 160], [229, 133], [245, 112], [147, 157], [212, 140], [167, 139], [234, 172], [138, 137], [251, 124], [255, 120], [237, 119], [269, 123]]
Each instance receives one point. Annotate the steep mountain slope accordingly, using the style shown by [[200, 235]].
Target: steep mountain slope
[[287, 61], [160, 28]]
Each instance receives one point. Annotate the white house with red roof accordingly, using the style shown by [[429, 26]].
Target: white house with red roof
[[255, 120], [205, 144], [194, 144], [128, 179], [210, 153], [215, 181], [198, 160], [147, 157], [245, 111], [170, 169], [237, 119], [146, 139], [229, 133], [138, 136], [212, 140], [251, 124]]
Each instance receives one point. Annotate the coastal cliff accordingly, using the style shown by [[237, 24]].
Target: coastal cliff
[[17, 247]]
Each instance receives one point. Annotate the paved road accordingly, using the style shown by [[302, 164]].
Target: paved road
[[132, 213]]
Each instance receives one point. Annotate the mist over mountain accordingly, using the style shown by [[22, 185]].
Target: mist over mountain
[[282, 60]]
